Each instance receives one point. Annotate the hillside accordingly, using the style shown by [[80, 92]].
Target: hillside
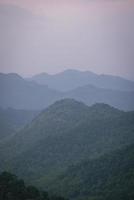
[[111, 177], [64, 134], [12, 120]]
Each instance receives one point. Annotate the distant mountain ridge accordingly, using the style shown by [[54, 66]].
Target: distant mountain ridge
[[20, 93], [90, 94], [71, 79]]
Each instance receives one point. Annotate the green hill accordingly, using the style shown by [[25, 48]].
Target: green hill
[[65, 134]]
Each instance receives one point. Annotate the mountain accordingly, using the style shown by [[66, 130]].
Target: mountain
[[71, 79], [110, 177], [90, 94], [12, 120], [65, 133], [21, 94]]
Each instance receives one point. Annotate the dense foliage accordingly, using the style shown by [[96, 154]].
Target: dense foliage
[[65, 134], [110, 177], [12, 188], [69, 133]]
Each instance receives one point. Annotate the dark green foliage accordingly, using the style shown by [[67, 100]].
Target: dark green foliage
[[65, 134], [11, 188], [110, 177]]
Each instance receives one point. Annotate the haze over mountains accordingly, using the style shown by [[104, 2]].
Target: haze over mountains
[[21, 94], [71, 79], [12, 120], [68, 133], [42, 90]]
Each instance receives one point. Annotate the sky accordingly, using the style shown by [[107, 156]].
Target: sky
[[54, 35]]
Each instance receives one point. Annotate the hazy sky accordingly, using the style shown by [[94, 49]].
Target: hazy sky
[[53, 35]]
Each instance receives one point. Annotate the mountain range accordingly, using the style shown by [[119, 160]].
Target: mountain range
[[66, 133], [71, 133], [71, 79], [20, 93]]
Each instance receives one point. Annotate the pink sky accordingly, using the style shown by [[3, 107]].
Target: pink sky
[[44, 5], [81, 34]]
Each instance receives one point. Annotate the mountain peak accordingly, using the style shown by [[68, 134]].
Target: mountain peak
[[41, 75], [66, 103], [71, 71], [74, 71]]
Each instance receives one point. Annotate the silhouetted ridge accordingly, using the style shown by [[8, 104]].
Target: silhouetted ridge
[[74, 105], [19, 93], [11, 76], [38, 94], [71, 79]]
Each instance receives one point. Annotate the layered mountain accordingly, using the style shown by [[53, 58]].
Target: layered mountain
[[21, 94], [64, 134], [90, 94], [71, 79], [12, 120]]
